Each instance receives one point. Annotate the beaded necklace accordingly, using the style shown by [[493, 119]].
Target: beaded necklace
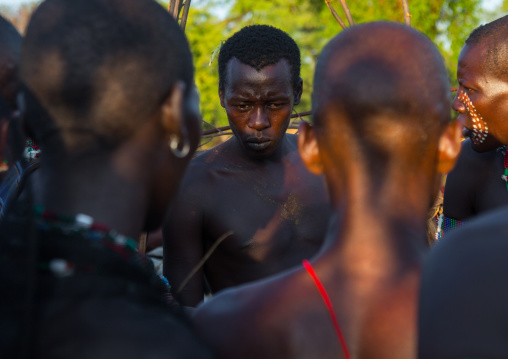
[[445, 224], [32, 151], [83, 226], [505, 162]]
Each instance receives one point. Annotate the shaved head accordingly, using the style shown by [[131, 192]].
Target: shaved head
[[100, 66], [383, 89], [494, 36]]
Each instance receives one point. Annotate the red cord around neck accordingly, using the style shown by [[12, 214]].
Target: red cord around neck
[[329, 305]]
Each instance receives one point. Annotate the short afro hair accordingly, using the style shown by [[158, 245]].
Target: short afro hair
[[259, 46], [99, 67], [494, 36]]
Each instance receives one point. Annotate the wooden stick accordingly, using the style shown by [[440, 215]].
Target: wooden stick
[[185, 14], [335, 15], [407, 14], [202, 261], [171, 6], [177, 8], [347, 12]]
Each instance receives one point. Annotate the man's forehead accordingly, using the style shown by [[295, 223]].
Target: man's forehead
[[472, 61], [237, 67]]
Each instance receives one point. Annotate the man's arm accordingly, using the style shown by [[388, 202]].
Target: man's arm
[[183, 244]]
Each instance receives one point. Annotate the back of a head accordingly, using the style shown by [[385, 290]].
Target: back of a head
[[99, 67], [381, 90], [494, 36], [10, 41], [259, 46], [10, 46]]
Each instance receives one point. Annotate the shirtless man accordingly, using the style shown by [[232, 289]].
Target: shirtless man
[[254, 184], [113, 82], [381, 136], [478, 182]]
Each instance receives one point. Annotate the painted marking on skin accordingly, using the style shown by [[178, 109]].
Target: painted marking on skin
[[480, 128]]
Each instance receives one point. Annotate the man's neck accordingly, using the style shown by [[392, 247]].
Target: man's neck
[[376, 236], [91, 186]]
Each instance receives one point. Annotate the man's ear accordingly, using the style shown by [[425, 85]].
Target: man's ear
[[298, 91], [308, 148], [221, 97], [449, 147], [172, 110]]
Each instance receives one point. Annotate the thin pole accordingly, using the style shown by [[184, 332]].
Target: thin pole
[[347, 12], [335, 15], [407, 14], [171, 6], [185, 14]]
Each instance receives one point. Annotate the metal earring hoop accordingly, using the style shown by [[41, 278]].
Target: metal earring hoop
[[174, 140]]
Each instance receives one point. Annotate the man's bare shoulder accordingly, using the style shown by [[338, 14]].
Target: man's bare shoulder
[[236, 320], [205, 164], [469, 157], [228, 322], [473, 258], [472, 186]]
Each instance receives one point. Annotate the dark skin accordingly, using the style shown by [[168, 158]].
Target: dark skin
[[370, 261], [254, 185], [475, 185], [463, 298], [133, 174]]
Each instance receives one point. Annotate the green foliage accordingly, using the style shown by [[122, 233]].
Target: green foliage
[[310, 23]]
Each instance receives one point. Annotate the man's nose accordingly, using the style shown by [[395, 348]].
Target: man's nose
[[258, 119], [457, 105]]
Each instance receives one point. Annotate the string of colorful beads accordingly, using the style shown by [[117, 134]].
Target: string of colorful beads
[[84, 226], [445, 224], [505, 162], [480, 128], [32, 151]]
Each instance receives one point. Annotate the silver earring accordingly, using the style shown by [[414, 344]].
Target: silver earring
[[173, 145]]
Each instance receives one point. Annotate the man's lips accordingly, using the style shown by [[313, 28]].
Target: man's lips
[[258, 143]]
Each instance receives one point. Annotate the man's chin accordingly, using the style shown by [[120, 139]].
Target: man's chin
[[489, 144]]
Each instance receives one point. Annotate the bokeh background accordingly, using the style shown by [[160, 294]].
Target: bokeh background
[[310, 23]]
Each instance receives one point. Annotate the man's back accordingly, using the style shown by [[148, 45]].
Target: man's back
[[112, 307], [277, 211], [463, 311], [378, 322]]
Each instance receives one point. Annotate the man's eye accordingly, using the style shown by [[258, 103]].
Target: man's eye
[[274, 106], [242, 107], [468, 90]]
